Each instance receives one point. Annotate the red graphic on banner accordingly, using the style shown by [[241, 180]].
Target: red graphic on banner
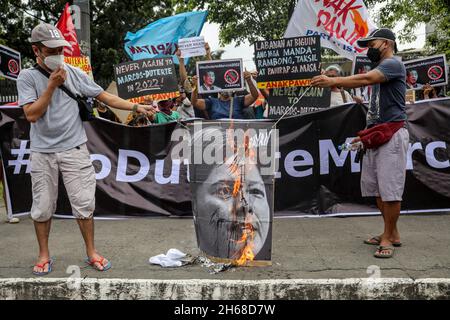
[[231, 76], [334, 16], [65, 25], [435, 72], [13, 66]]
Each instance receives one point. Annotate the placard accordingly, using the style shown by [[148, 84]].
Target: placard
[[192, 47], [83, 63], [432, 70], [145, 77], [10, 63], [220, 75], [282, 100], [289, 62]]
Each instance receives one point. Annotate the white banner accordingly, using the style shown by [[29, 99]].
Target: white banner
[[192, 47], [338, 23]]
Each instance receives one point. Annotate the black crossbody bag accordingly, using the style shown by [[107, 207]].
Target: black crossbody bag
[[85, 109]]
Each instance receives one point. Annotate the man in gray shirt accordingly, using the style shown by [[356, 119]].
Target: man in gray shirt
[[58, 141], [383, 170]]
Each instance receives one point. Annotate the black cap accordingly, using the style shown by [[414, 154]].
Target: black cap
[[377, 34]]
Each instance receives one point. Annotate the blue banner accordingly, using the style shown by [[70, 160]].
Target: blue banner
[[160, 38]]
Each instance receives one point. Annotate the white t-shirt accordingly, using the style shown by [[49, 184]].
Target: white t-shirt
[[336, 98]]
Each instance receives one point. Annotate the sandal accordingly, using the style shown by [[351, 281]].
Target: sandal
[[380, 249], [42, 266], [375, 241], [92, 263]]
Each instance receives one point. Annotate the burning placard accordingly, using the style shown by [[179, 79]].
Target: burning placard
[[232, 180]]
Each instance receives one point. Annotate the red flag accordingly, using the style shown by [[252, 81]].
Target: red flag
[[65, 25]]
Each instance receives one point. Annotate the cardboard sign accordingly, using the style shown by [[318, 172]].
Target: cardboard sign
[[192, 47], [432, 70], [83, 63], [220, 75], [289, 62], [10, 63], [283, 99], [145, 77]]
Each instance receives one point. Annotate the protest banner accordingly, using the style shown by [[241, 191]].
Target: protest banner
[[10, 63], [282, 99], [192, 47], [338, 23], [160, 38], [220, 75], [145, 77], [290, 62], [83, 63], [432, 70]]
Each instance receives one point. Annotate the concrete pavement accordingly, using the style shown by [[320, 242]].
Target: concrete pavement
[[307, 253]]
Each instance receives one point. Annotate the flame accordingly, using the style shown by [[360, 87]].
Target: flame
[[361, 27], [248, 236]]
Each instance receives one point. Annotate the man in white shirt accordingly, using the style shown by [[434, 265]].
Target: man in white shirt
[[338, 96]]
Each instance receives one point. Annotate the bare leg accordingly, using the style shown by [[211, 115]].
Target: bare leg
[[87, 230], [391, 213], [42, 234]]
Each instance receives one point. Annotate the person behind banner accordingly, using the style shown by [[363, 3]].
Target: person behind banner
[[105, 112], [220, 108], [165, 113], [58, 141], [183, 105], [339, 96], [384, 164], [411, 79]]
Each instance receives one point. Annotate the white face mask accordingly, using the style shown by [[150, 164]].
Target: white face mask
[[53, 62]]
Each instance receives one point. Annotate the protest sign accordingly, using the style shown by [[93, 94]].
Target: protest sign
[[83, 63], [282, 99], [9, 63], [220, 75], [192, 47], [361, 64], [432, 70], [290, 62], [145, 77]]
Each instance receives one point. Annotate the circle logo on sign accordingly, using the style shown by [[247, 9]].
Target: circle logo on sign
[[231, 76], [435, 72], [13, 66]]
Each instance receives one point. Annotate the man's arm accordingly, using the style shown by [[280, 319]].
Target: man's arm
[[183, 72], [197, 103], [119, 103], [358, 80], [254, 94], [34, 111]]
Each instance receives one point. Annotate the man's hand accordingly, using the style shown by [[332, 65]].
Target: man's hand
[[247, 75], [150, 111], [178, 53], [57, 78], [323, 81], [207, 48], [194, 83]]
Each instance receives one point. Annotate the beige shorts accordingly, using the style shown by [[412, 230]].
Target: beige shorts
[[384, 169], [79, 179]]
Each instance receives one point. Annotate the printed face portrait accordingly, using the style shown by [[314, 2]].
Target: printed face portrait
[[209, 78], [412, 77], [227, 218]]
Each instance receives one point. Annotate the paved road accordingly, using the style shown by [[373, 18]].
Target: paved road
[[302, 249]]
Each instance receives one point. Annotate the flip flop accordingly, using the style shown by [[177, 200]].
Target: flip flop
[[378, 253], [375, 241], [42, 266], [92, 263]]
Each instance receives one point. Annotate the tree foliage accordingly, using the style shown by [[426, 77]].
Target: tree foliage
[[414, 12]]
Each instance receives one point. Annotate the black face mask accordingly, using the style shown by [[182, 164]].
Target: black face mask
[[374, 55]]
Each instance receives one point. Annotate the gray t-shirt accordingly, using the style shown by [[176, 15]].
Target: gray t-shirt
[[387, 103], [60, 128]]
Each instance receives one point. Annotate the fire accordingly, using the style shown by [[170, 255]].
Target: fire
[[247, 239]]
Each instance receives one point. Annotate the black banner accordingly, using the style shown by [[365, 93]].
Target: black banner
[[137, 176], [288, 62], [287, 100], [145, 77], [432, 70], [9, 63]]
